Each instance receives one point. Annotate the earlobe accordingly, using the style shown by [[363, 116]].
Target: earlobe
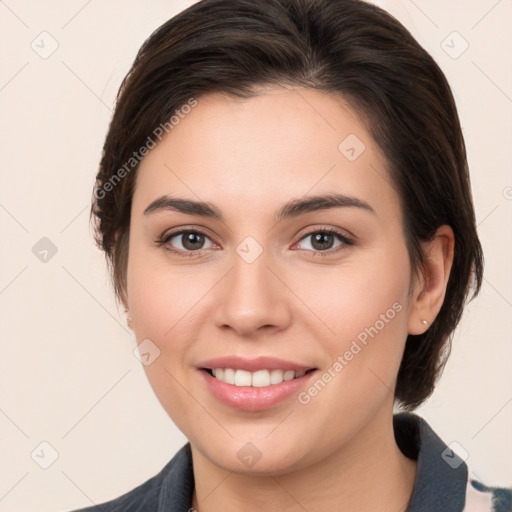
[[430, 290]]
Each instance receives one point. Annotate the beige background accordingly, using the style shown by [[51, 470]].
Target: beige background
[[68, 375]]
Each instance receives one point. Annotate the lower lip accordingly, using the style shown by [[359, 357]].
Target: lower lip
[[248, 398]]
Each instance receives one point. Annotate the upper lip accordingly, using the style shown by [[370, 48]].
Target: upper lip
[[252, 365]]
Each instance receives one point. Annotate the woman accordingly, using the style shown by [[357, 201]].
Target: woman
[[285, 205]]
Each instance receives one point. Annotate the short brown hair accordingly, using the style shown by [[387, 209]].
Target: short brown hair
[[348, 47]]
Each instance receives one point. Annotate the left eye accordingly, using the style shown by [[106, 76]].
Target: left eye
[[323, 240]]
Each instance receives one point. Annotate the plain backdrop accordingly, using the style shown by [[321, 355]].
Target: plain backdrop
[[73, 396]]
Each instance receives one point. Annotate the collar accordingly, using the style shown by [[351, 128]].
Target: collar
[[440, 483], [441, 476]]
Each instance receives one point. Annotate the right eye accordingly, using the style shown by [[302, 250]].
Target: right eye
[[185, 242]]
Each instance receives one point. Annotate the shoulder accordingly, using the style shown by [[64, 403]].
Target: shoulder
[[171, 489], [481, 498]]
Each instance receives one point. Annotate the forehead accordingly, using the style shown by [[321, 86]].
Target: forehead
[[278, 144]]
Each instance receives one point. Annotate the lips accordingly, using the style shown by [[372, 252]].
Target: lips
[[246, 396]]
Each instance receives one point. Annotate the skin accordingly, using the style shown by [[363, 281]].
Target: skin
[[249, 157]]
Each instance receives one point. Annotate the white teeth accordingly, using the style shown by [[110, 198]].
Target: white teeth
[[229, 376], [242, 378], [258, 379], [276, 376]]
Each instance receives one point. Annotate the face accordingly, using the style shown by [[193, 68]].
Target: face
[[268, 277]]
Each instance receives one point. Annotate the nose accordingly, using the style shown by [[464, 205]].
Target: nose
[[252, 299]]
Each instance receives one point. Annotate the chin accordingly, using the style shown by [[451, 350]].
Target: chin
[[257, 458]]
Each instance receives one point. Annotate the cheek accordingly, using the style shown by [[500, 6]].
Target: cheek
[[161, 297], [365, 307], [363, 294]]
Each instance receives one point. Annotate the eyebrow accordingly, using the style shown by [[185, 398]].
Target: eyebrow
[[292, 208]]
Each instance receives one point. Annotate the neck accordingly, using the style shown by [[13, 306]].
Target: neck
[[370, 473]]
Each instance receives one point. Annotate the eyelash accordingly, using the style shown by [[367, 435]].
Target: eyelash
[[346, 242]]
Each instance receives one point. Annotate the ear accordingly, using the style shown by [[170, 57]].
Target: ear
[[430, 287]]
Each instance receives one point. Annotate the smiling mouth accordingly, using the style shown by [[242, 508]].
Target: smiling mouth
[[257, 379]]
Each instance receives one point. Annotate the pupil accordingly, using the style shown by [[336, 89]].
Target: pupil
[[191, 239], [324, 240]]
